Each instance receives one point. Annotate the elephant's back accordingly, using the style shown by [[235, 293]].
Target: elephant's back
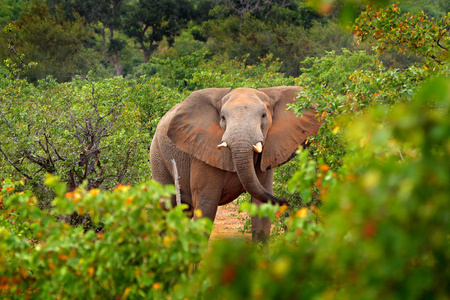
[[160, 138], [163, 124], [163, 150]]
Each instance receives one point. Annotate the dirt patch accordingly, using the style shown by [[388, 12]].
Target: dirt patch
[[228, 223]]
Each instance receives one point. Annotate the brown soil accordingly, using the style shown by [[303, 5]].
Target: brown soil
[[228, 223]]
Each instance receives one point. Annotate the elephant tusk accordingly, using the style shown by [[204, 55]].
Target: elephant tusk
[[221, 146], [258, 147]]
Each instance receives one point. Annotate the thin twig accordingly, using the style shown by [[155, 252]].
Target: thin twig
[[438, 43], [400, 153], [93, 86]]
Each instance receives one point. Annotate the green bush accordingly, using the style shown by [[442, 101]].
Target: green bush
[[142, 251], [343, 86], [346, 98], [153, 99], [198, 71], [176, 73], [78, 131], [289, 41], [236, 73], [183, 45]]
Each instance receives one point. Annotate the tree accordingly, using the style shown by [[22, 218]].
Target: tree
[[54, 43], [237, 37], [9, 11], [149, 21], [262, 9], [104, 17], [413, 33]]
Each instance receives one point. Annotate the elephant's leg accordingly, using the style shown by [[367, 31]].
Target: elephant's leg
[[261, 226], [206, 188]]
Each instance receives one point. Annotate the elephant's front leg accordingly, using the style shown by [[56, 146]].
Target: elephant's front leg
[[261, 226], [206, 188]]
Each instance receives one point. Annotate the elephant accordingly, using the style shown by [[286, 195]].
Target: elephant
[[225, 142]]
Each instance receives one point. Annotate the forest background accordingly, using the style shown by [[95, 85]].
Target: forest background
[[84, 83]]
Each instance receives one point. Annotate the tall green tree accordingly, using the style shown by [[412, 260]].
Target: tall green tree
[[54, 43], [105, 18], [9, 11], [259, 8], [248, 35], [295, 12], [149, 21]]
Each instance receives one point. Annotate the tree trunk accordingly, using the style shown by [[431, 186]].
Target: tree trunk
[[117, 66]]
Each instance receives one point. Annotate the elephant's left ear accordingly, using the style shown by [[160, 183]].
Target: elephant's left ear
[[288, 131]]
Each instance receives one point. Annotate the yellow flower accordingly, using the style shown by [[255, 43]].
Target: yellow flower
[[281, 211], [125, 293], [302, 213], [198, 213], [122, 187], [167, 240], [324, 167], [94, 192], [157, 285]]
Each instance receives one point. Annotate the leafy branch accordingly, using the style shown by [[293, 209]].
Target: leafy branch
[[413, 33]]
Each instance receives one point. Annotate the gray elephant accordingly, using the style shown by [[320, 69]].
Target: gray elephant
[[226, 142]]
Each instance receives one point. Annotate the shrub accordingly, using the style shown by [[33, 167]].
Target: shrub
[[78, 130], [176, 73], [339, 97], [414, 33], [236, 73], [289, 41], [153, 99], [142, 250]]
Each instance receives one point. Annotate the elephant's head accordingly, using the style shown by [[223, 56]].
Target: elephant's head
[[234, 130]]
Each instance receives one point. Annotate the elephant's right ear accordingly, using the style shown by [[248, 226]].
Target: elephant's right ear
[[195, 128]]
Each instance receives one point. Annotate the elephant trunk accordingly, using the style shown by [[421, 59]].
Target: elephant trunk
[[243, 153]]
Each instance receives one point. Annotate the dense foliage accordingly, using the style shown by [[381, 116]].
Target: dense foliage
[[369, 197], [380, 167], [50, 41], [79, 130], [141, 251], [385, 222], [119, 37]]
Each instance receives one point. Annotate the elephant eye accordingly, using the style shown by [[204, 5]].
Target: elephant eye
[[264, 115], [222, 117]]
